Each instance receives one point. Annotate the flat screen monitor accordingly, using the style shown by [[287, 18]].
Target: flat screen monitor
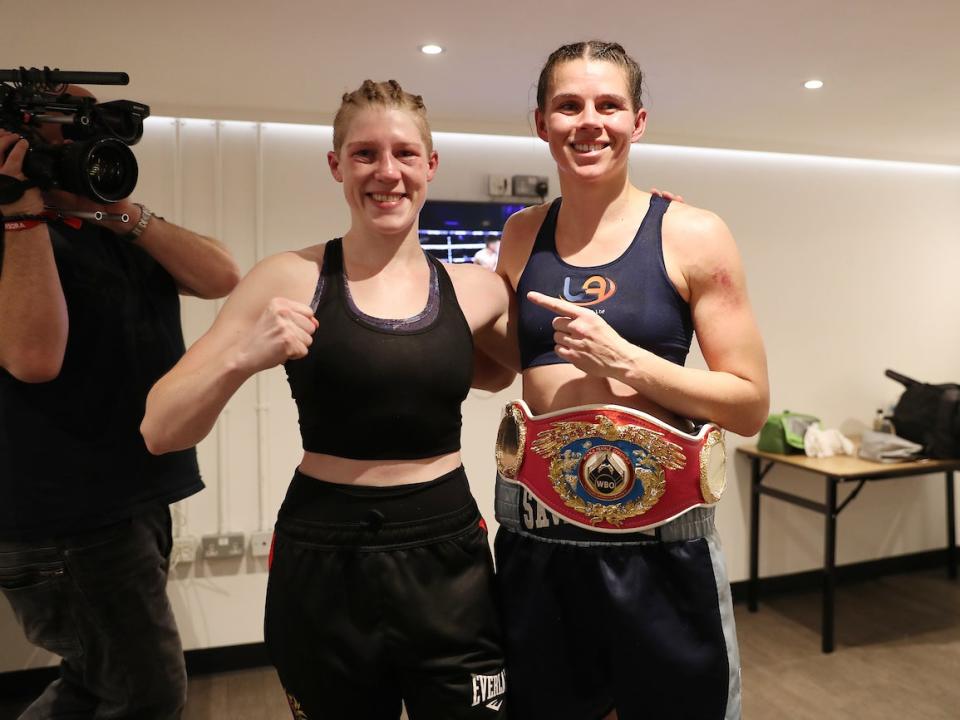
[[455, 230]]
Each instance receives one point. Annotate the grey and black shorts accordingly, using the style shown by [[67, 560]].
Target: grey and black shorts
[[593, 621]]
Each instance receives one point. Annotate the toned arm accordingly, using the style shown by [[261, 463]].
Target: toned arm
[[258, 327], [487, 303], [734, 391]]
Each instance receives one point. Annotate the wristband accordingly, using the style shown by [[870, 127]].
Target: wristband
[[14, 223], [137, 231]]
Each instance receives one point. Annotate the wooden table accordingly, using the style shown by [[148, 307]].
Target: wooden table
[[835, 470]]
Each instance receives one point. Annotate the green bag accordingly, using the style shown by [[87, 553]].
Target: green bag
[[784, 433]]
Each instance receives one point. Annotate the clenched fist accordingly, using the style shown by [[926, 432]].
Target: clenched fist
[[284, 331]]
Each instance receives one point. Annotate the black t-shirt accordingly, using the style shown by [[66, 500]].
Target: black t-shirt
[[71, 453]]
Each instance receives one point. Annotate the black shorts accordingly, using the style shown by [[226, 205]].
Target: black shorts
[[598, 621], [382, 594]]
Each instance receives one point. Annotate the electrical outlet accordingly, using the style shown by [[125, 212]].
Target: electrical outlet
[[260, 543], [184, 550], [530, 186], [226, 545], [498, 185]]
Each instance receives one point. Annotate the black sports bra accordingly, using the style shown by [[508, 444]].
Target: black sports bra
[[375, 389]]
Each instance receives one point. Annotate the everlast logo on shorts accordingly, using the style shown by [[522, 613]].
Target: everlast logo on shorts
[[489, 689]]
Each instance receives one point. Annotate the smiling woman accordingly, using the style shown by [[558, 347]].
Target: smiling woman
[[381, 581], [383, 155], [612, 283]]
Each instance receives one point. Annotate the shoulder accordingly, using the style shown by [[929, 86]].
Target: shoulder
[[290, 262], [292, 274], [699, 244], [519, 233], [293, 261], [696, 237], [522, 227], [527, 220], [471, 279], [483, 296]]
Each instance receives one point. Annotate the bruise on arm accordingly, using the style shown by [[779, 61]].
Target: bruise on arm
[[729, 294], [722, 316]]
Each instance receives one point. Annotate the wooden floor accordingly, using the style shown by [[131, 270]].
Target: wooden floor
[[897, 658], [897, 653]]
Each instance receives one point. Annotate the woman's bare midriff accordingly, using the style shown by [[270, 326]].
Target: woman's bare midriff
[[346, 471], [548, 388]]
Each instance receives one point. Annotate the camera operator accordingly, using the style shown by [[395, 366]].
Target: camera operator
[[89, 320]]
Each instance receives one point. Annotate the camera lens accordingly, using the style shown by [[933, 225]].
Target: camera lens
[[112, 170], [103, 169]]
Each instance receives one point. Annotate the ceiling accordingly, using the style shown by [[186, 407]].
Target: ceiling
[[719, 74]]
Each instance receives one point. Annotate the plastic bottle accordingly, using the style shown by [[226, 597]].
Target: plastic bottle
[[878, 421], [888, 425]]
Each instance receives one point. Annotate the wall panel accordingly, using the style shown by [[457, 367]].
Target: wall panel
[[851, 268]]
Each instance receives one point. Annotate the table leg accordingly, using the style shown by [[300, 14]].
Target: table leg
[[752, 585], [951, 529], [829, 564]]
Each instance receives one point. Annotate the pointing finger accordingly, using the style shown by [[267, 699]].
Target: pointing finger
[[561, 307]]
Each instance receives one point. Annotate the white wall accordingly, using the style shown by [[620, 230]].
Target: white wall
[[851, 266]]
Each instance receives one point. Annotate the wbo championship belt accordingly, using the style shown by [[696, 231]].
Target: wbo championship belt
[[610, 468]]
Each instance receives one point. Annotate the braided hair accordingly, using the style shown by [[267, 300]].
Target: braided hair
[[386, 94]]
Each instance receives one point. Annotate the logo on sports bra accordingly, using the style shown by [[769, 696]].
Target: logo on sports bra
[[595, 289]]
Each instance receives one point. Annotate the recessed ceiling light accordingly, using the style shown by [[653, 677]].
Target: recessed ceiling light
[[431, 49], [813, 84]]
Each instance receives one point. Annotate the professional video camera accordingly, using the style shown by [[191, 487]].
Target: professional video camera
[[98, 162]]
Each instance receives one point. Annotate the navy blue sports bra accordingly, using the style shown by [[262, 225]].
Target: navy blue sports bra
[[633, 293]]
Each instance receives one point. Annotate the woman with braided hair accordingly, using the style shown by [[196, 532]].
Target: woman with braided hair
[[380, 585]]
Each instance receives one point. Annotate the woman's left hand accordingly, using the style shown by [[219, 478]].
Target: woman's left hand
[[584, 339]]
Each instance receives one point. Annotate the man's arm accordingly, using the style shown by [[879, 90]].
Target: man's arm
[[33, 312], [199, 265]]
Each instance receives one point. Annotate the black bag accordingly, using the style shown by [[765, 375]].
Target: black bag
[[929, 415]]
